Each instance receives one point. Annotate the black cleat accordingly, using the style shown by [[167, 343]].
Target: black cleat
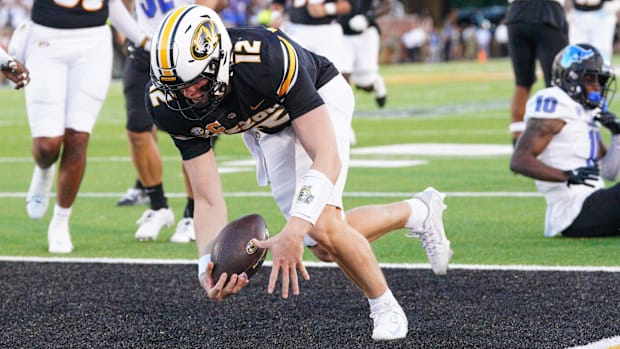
[[381, 101]]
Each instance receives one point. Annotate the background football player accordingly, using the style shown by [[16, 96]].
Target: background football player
[[67, 47], [537, 31], [362, 40], [311, 22], [594, 22], [562, 149]]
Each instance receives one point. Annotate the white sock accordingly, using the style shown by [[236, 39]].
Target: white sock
[[60, 218], [379, 87], [62, 212], [42, 177], [419, 212], [378, 303]]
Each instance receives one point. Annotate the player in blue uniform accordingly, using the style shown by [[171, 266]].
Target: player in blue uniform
[[294, 110], [562, 149]]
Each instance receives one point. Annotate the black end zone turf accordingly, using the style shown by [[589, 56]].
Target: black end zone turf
[[58, 305]]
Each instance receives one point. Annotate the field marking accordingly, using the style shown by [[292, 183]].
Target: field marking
[[437, 149], [606, 343], [447, 77], [409, 266], [360, 194], [464, 150]]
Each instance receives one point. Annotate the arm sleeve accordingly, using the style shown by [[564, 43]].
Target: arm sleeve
[[123, 21], [610, 163]]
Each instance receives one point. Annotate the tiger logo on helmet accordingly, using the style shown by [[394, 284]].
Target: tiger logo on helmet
[[205, 40]]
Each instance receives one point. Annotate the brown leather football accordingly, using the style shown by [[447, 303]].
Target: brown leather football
[[234, 253]]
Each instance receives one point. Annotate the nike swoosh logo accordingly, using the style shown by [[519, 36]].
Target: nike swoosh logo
[[258, 105]]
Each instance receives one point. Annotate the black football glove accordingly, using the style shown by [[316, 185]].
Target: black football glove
[[581, 175], [609, 120], [139, 55]]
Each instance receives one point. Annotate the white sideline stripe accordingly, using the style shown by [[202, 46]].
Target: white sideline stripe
[[607, 343], [106, 260], [268, 194]]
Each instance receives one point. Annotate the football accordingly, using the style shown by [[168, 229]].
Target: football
[[233, 251]]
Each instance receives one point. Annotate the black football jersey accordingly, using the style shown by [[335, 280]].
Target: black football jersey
[[273, 81], [588, 5], [358, 7], [298, 13], [70, 14]]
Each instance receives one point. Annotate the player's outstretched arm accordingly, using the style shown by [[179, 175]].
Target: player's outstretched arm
[[537, 135], [210, 216], [316, 134]]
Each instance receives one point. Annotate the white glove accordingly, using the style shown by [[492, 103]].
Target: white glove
[[359, 23]]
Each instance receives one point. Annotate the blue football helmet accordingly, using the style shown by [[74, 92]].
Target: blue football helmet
[[576, 61]]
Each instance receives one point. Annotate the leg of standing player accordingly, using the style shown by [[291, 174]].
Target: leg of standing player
[[537, 38], [144, 151], [366, 65], [62, 115]]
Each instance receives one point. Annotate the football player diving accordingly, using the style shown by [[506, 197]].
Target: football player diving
[[294, 111]]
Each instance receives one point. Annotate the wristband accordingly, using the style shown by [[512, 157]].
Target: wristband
[[311, 196], [330, 8], [517, 126], [203, 262]]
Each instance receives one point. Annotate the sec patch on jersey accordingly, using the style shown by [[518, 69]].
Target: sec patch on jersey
[[233, 251]]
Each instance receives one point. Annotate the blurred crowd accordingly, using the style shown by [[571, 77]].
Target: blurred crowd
[[12, 12], [406, 37]]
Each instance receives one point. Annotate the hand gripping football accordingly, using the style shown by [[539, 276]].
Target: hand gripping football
[[233, 251]]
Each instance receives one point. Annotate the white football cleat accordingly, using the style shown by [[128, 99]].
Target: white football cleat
[[134, 197], [58, 237], [184, 232], [389, 323], [38, 195], [352, 137], [152, 222], [433, 236]]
